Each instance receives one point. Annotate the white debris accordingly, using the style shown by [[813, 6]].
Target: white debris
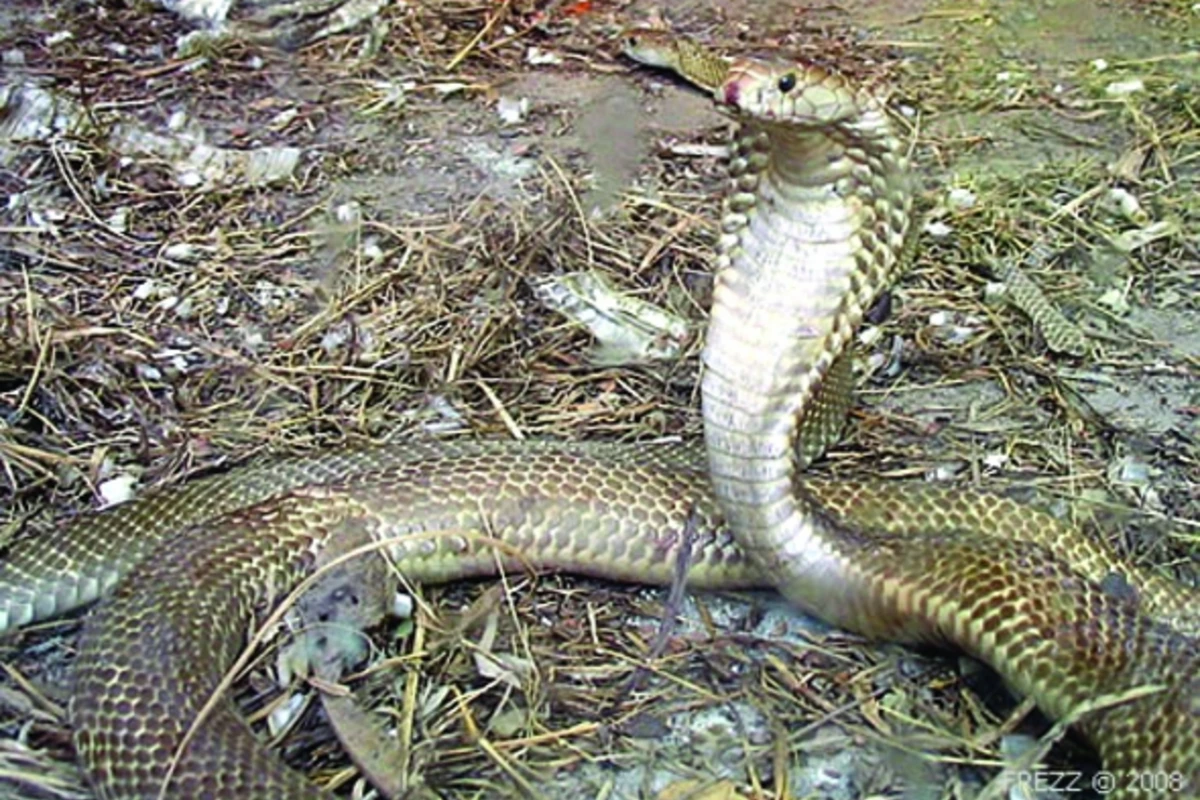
[[1130, 240], [444, 408], [512, 110], [283, 119], [285, 714], [402, 605], [189, 179], [1115, 300], [539, 57], [145, 290], [194, 44], [943, 472], [176, 362], [348, 213], [371, 251], [1099, 64], [31, 113], [939, 318], [960, 334], [1127, 205], [1129, 470], [148, 372], [335, 338], [269, 164], [938, 229], [869, 335], [182, 251], [186, 308], [118, 221], [447, 88], [387, 96], [211, 11], [995, 292], [628, 330], [1125, 88], [116, 490], [253, 338], [959, 198], [59, 38]]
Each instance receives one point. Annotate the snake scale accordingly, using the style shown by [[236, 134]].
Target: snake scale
[[814, 225]]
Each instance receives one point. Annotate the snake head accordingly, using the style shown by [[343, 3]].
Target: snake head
[[788, 91], [650, 46]]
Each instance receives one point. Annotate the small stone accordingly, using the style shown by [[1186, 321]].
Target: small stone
[[402, 605]]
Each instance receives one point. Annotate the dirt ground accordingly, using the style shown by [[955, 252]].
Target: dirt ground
[[158, 322]]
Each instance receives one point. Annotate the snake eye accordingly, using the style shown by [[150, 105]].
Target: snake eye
[[787, 82], [632, 41]]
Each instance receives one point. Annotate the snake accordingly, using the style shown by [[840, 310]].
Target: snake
[[656, 47], [813, 225], [1061, 335]]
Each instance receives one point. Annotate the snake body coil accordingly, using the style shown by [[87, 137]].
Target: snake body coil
[[814, 224]]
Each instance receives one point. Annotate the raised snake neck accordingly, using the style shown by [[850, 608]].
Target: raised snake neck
[[1008, 585]]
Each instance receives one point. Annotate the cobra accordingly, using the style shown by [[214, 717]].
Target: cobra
[[814, 225]]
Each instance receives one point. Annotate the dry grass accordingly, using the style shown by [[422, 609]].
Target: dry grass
[[283, 333]]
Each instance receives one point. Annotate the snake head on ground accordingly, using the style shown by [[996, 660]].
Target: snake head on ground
[[649, 46]]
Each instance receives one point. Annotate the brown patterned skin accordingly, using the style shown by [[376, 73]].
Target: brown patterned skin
[[140, 683], [1010, 586], [613, 511], [1061, 335]]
